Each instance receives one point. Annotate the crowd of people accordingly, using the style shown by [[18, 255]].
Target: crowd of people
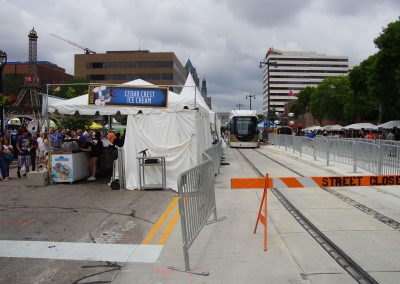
[[32, 152]]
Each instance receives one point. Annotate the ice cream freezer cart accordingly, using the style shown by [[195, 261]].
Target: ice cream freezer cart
[[69, 167]]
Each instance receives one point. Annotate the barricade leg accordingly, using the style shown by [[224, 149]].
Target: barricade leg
[[262, 214]]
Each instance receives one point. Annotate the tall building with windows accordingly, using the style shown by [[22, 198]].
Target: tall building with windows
[[192, 70], [285, 73], [115, 67]]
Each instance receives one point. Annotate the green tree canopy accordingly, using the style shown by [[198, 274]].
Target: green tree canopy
[[72, 91], [301, 106], [385, 78]]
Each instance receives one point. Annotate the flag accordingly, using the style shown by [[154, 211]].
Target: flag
[[292, 94]]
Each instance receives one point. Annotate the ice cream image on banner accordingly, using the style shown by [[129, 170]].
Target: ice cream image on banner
[[102, 98]]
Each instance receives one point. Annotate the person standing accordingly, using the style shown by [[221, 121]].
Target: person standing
[[8, 157], [118, 140], [95, 147], [33, 151], [2, 164], [111, 136], [23, 147]]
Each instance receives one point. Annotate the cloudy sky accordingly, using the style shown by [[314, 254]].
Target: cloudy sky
[[224, 39]]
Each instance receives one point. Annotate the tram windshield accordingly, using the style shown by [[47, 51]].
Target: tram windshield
[[244, 125]]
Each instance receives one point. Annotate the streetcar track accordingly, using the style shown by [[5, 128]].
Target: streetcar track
[[363, 208], [348, 264]]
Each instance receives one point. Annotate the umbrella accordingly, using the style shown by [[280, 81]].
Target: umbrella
[[95, 125]]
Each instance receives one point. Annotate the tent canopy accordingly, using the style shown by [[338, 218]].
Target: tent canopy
[[313, 128], [335, 127], [79, 105], [364, 125], [180, 132], [390, 124]]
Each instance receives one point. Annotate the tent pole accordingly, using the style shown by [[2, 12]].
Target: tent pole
[[48, 165]]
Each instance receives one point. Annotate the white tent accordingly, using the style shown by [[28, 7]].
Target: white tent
[[335, 127], [180, 132], [358, 126], [390, 124], [313, 128], [190, 93]]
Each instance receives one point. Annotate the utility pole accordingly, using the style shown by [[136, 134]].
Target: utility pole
[[250, 96], [239, 105]]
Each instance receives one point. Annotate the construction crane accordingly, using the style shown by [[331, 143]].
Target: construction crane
[[87, 50]]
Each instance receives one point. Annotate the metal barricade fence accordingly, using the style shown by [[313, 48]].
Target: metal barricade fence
[[390, 159], [378, 157], [307, 146], [321, 149], [215, 153], [342, 151], [196, 200], [367, 156]]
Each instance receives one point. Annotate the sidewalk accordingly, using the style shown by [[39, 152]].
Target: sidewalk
[[228, 249]]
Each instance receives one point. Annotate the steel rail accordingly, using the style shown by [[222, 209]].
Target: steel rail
[[345, 261], [375, 214]]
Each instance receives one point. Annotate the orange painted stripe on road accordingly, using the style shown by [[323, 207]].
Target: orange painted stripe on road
[[153, 231]]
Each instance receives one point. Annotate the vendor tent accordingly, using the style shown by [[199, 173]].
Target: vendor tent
[[359, 126], [335, 127], [390, 124], [313, 128], [190, 94], [180, 132]]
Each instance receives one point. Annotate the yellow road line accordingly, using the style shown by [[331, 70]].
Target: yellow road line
[[168, 229], [160, 222]]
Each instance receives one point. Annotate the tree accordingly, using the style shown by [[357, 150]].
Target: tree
[[74, 124], [365, 103], [72, 91], [385, 78], [301, 105], [333, 99], [261, 117]]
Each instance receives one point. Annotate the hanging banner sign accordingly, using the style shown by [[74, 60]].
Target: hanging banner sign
[[128, 96]]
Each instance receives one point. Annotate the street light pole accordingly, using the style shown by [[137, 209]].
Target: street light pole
[[250, 96], [3, 62]]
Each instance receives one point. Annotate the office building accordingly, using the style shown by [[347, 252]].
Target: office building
[[116, 67], [285, 73]]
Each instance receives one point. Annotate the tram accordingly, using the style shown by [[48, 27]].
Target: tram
[[243, 129]]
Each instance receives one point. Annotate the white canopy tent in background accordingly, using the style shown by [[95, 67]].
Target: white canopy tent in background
[[359, 126], [176, 133], [313, 128], [390, 124], [335, 127]]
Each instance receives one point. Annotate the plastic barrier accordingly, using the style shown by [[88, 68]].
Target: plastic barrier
[[302, 182]]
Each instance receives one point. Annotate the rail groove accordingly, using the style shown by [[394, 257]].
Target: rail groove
[[354, 270]]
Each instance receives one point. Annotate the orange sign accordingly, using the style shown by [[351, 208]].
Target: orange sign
[[298, 182]]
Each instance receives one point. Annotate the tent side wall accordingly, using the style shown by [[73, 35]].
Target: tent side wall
[[180, 137]]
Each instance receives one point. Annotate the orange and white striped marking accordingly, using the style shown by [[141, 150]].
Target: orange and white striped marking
[[300, 182]]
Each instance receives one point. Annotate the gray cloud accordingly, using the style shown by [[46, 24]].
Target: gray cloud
[[268, 13], [224, 39]]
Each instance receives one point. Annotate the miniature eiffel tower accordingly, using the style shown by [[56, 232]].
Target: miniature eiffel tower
[[28, 103]]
